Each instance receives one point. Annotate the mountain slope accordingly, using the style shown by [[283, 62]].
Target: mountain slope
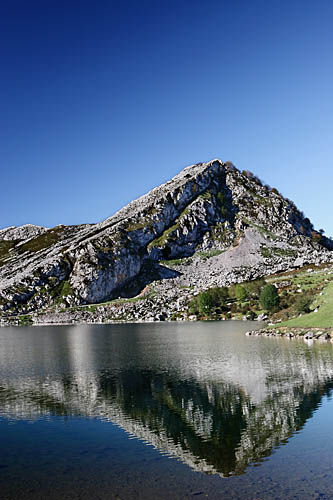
[[208, 210]]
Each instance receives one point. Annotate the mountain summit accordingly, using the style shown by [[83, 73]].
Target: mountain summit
[[223, 226]]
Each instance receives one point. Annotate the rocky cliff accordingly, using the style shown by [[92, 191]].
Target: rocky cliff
[[209, 225]]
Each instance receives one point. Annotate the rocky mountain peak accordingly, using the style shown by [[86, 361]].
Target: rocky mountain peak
[[246, 228]]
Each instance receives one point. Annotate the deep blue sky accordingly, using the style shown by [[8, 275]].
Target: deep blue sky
[[100, 101]]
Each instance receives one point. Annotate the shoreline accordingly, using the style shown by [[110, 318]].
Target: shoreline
[[17, 323], [315, 333]]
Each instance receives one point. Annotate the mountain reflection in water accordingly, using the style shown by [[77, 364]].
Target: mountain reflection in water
[[203, 393]]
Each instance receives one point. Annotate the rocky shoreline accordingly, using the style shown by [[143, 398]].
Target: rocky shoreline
[[321, 334]]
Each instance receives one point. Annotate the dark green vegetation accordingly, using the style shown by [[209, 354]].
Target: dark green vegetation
[[57, 293], [302, 297], [5, 247], [223, 302], [25, 320], [212, 301], [320, 311], [10, 248], [45, 240], [188, 260], [269, 298]]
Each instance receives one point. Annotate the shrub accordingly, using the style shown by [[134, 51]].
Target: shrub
[[206, 302], [269, 298], [194, 306], [240, 293], [254, 287], [209, 301], [315, 236], [234, 308], [231, 291], [25, 320], [302, 304], [219, 295], [221, 198]]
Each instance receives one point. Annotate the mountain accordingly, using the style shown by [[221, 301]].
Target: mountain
[[211, 225]]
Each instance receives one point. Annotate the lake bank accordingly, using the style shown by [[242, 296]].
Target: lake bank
[[321, 334], [305, 300]]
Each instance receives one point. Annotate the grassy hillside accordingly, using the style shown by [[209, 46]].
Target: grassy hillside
[[312, 285], [305, 299], [322, 318]]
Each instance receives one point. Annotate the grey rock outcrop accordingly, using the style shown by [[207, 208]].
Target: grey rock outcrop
[[223, 225], [20, 233]]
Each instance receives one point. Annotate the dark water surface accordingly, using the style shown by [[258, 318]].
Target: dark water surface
[[164, 411]]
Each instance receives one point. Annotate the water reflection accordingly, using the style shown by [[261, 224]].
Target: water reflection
[[205, 394]]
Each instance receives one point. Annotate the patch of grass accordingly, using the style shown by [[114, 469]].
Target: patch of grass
[[151, 211], [136, 226], [5, 246], [262, 230], [43, 241], [277, 252], [186, 261], [260, 199], [105, 249], [265, 252], [58, 293], [92, 309], [25, 320], [322, 318], [221, 198], [206, 195], [208, 254], [65, 289], [161, 240], [222, 201], [220, 233], [183, 213]]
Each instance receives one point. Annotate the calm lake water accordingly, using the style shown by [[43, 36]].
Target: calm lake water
[[164, 411]]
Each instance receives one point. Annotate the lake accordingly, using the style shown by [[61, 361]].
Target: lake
[[164, 411]]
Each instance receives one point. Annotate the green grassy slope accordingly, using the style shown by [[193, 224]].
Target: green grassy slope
[[322, 318]]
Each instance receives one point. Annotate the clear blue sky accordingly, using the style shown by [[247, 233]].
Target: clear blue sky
[[101, 100]]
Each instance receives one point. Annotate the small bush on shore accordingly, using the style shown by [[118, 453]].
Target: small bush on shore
[[269, 298], [209, 301]]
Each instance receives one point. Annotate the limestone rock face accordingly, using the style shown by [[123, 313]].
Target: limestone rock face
[[207, 209], [21, 233]]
